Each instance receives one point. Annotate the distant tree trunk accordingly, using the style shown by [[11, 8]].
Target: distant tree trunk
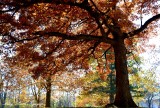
[[123, 96], [36, 94], [48, 92], [112, 85], [3, 92], [150, 99], [3, 99], [159, 100], [38, 102]]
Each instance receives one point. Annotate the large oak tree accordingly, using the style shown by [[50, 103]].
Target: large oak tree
[[91, 22]]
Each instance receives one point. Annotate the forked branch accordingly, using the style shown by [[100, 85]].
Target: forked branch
[[144, 26]]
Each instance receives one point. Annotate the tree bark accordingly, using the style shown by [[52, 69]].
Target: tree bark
[[123, 96], [48, 93]]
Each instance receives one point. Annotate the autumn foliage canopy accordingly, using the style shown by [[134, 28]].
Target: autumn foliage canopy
[[54, 36]]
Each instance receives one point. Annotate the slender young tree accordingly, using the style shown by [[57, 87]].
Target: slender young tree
[[90, 21]]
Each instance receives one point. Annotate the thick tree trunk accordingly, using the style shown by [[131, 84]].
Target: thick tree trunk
[[48, 93], [123, 96]]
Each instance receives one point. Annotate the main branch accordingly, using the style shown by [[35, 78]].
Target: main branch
[[76, 37]]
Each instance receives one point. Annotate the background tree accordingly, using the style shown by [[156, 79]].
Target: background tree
[[146, 86], [93, 88], [37, 86], [103, 21], [46, 64]]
